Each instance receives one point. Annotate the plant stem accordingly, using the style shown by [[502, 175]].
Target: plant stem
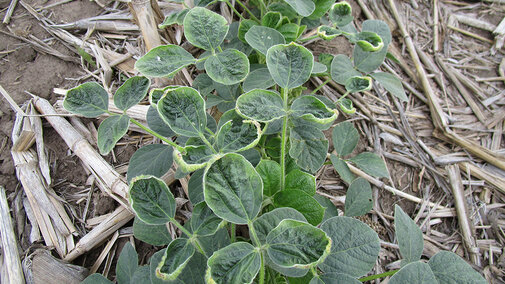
[[189, 234], [284, 138], [262, 270], [164, 139], [308, 38], [207, 143], [233, 229], [377, 276], [342, 97], [252, 232], [320, 86], [234, 10], [248, 11]]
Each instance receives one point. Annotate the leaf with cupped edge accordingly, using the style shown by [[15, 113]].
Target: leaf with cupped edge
[[368, 61], [233, 189], [271, 19], [312, 109], [369, 41], [334, 278], [371, 164], [342, 69], [203, 221], [358, 84], [183, 109], [239, 262], [88, 99], [176, 257], [164, 61], [131, 92], [409, 235], [154, 159], [236, 136], [345, 138], [341, 13], [328, 33], [297, 244], [268, 221], [194, 271], [346, 106], [258, 79], [355, 247], [262, 38], [416, 273], [151, 200], [308, 147], [391, 83], [156, 93], [303, 7], [358, 199], [204, 28], [289, 64], [270, 172], [302, 202], [261, 105], [110, 131], [448, 267], [194, 157], [297, 179], [342, 169], [228, 67]]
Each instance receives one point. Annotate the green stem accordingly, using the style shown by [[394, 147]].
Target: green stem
[[308, 38], [284, 138], [262, 270], [207, 143], [320, 86], [164, 139], [233, 233], [342, 97], [248, 11], [234, 10], [189, 234], [252, 232], [377, 276]]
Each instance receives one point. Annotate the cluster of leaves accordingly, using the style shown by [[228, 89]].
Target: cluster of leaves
[[255, 166]]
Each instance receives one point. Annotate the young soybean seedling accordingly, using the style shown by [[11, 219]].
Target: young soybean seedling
[[255, 166]]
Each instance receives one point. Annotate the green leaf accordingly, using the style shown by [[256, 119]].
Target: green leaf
[[366, 61], [164, 61], [328, 33], [289, 31], [156, 235], [283, 8], [88, 99], [358, 84], [302, 202], [244, 27], [319, 68], [345, 138], [262, 38], [342, 69], [233, 189], [342, 169], [296, 179], [131, 92], [195, 187], [194, 271], [369, 41], [358, 200], [341, 14], [228, 67], [330, 210], [410, 237], [151, 200], [258, 79], [308, 147], [252, 155], [297, 244], [204, 28], [96, 278], [355, 247], [346, 106], [321, 7], [110, 131], [203, 221], [236, 263], [334, 278], [156, 123], [415, 273], [215, 242], [141, 274], [303, 7], [270, 173], [371, 164], [176, 17], [194, 158], [176, 257], [204, 84], [312, 109], [235, 136], [289, 64], [449, 268], [392, 84], [156, 94], [261, 105], [154, 159], [126, 264], [268, 221], [183, 109], [272, 20]]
